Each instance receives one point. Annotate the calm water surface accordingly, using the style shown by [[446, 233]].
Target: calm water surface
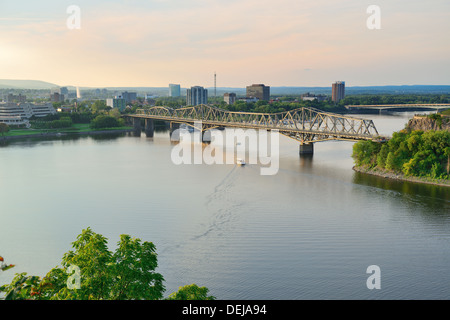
[[309, 232]]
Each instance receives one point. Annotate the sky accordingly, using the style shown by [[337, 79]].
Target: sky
[[151, 43]]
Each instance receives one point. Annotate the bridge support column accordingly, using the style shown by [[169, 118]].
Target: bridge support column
[[149, 127], [173, 127], [306, 149], [137, 127], [205, 133]]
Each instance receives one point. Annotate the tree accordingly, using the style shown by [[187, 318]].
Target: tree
[[133, 269], [104, 121], [365, 153], [63, 122], [4, 128], [191, 292], [126, 274], [115, 112], [413, 153], [99, 105]]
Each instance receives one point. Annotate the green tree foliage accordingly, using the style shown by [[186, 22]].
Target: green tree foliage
[[81, 117], [364, 99], [4, 128], [437, 117], [416, 153], [105, 121], [128, 273], [191, 292], [52, 122], [172, 102], [365, 153], [22, 287], [99, 106], [115, 112], [63, 122]]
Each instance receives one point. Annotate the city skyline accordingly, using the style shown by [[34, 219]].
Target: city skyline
[[293, 43]]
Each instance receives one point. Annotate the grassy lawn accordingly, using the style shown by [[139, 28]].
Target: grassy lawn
[[24, 132]]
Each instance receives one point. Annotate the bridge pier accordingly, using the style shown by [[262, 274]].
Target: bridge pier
[[306, 149], [149, 127], [173, 127], [203, 130], [206, 136], [137, 127]]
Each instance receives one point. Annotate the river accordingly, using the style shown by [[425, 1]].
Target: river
[[308, 232]]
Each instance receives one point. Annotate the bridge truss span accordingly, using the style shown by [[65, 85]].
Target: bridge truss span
[[306, 125]]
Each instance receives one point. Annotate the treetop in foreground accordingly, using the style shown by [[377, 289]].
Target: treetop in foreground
[[91, 272]]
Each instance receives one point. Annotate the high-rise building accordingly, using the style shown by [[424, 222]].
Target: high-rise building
[[174, 90], [117, 102], [229, 98], [64, 91], [129, 96], [56, 97], [259, 91], [338, 91], [196, 95]]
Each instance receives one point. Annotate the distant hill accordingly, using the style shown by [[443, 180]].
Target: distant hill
[[25, 84], [274, 90]]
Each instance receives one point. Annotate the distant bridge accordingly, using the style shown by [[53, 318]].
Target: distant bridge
[[434, 106], [306, 125]]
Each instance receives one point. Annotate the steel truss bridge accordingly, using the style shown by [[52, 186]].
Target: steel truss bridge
[[306, 125]]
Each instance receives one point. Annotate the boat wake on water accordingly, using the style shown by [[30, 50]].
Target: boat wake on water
[[221, 206]]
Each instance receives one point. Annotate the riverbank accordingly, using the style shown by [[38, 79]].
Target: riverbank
[[401, 177], [41, 134]]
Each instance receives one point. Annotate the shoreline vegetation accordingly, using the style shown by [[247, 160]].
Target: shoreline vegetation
[[66, 125], [26, 134], [419, 153], [401, 177]]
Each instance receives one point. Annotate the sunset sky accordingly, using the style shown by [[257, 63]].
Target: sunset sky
[[278, 43]]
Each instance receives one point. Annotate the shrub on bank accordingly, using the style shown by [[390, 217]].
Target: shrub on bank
[[104, 121], [415, 153]]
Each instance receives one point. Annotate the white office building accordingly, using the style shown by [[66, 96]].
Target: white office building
[[19, 113]]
